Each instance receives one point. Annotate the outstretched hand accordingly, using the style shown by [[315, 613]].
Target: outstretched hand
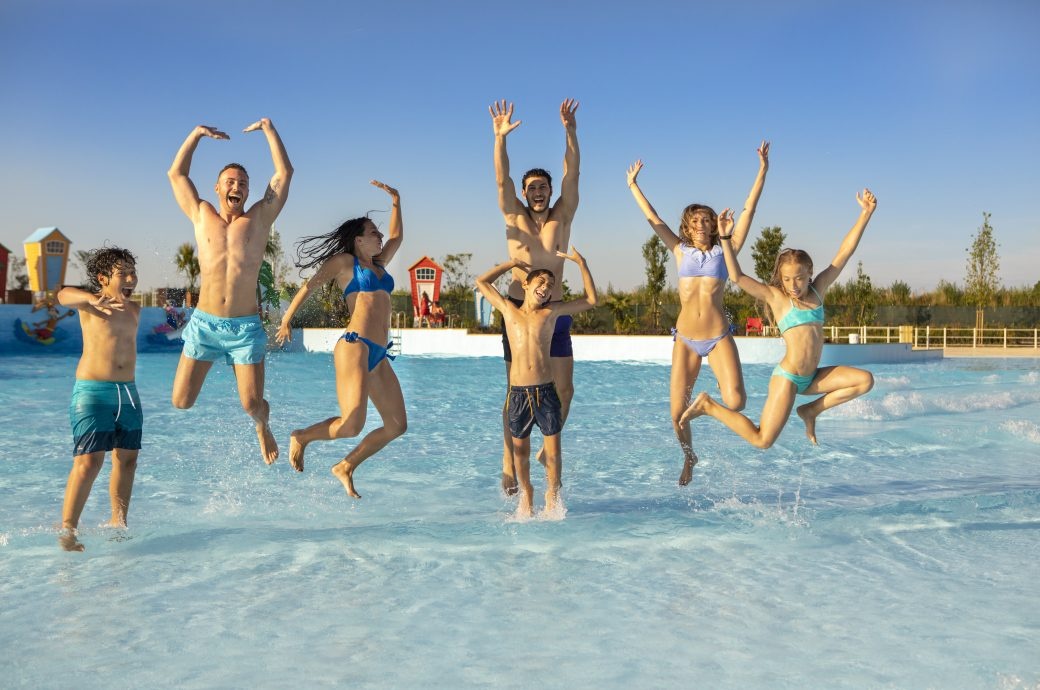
[[212, 132], [284, 334], [262, 123], [725, 222], [633, 171], [386, 188], [500, 118], [866, 200], [106, 304], [567, 110], [573, 256], [763, 153]]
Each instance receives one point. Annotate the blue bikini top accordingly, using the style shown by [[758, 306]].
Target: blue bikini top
[[799, 317], [366, 280], [698, 264]]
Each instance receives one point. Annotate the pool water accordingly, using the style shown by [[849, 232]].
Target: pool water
[[900, 553]]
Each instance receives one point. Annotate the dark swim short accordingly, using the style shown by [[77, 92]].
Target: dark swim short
[[530, 405], [561, 340]]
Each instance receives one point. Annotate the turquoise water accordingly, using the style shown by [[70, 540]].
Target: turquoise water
[[901, 553]]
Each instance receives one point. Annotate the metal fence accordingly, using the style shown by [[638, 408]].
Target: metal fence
[[930, 336]]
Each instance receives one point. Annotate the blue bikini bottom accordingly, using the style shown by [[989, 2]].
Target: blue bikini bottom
[[376, 353]]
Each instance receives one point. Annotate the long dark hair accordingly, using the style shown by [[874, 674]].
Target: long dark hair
[[317, 249]]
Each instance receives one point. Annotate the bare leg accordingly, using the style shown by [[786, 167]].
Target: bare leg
[[352, 385], [686, 367], [522, 455], [775, 412], [553, 472], [250, 379], [509, 485], [838, 385], [187, 382], [85, 469], [121, 484], [563, 378], [385, 393]]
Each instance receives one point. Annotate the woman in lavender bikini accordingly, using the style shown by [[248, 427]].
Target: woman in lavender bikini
[[702, 329]]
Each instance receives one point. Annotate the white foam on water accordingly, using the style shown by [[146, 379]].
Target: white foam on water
[[1023, 429]]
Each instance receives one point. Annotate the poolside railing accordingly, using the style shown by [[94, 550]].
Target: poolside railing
[[930, 336]]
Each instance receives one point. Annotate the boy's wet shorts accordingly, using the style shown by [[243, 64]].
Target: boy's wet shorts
[[561, 339], [240, 339], [530, 405], [105, 415]]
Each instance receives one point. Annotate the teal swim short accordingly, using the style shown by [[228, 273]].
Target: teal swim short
[[105, 415], [240, 339]]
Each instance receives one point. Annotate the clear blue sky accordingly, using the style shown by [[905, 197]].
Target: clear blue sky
[[933, 105]]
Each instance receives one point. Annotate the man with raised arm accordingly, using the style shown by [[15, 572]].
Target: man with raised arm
[[537, 236], [231, 242]]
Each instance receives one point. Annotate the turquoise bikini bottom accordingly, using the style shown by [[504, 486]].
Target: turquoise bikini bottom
[[801, 382]]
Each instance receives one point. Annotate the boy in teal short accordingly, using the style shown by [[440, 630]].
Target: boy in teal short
[[106, 410], [533, 399]]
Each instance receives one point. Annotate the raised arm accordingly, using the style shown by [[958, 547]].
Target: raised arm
[[501, 116], [867, 202], [745, 282], [78, 298], [669, 238], [396, 232], [278, 188], [485, 283], [183, 189], [740, 233], [326, 272], [568, 201], [590, 299]]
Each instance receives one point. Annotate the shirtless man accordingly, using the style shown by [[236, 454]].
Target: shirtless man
[[538, 235], [231, 244]]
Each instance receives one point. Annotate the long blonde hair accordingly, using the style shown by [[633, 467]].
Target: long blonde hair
[[790, 256], [687, 216]]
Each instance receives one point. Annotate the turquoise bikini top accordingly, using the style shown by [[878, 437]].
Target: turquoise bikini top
[[366, 280], [699, 264], [799, 317]]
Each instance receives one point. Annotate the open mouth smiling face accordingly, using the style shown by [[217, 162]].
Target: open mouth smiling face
[[233, 188]]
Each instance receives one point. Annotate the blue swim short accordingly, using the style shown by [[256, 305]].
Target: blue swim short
[[528, 405], [561, 345], [105, 415], [240, 339]]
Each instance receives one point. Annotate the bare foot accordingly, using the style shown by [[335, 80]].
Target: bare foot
[[345, 473], [525, 507], [268, 445], [810, 421], [687, 470], [509, 485], [296, 451], [119, 522], [696, 409], [67, 540]]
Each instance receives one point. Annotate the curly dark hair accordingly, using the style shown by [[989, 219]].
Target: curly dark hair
[[103, 261], [535, 172]]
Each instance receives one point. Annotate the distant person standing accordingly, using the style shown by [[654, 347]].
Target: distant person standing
[[231, 242], [537, 236]]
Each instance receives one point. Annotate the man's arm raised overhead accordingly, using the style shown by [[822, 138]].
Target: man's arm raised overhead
[[183, 189], [278, 188], [501, 116], [568, 201]]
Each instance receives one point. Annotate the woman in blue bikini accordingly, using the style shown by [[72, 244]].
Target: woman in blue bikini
[[796, 299], [354, 255], [702, 329]]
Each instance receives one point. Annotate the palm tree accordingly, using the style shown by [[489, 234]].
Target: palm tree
[[188, 264]]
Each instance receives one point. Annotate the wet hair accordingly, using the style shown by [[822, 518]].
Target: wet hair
[[790, 256], [236, 166], [317, 249], [103, 261], [535, 172], [687, 216]]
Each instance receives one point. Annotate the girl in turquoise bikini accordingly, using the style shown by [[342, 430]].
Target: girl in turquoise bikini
[[702, 329], [355, 256], [796, 299]]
